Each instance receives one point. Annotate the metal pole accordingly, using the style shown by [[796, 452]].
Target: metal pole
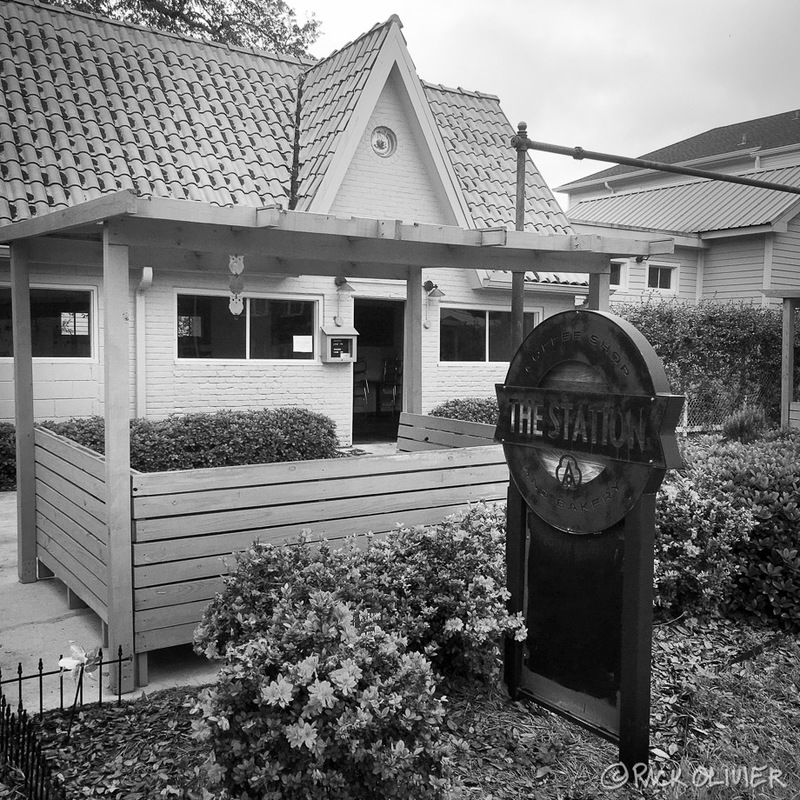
[[518, 278], [578, 153]]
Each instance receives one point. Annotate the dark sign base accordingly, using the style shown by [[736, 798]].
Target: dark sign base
[[588, 607], [573, 610]]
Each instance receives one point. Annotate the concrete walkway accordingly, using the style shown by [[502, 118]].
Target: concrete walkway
[[36, 622]]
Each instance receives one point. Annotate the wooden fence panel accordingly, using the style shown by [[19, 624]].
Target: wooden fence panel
[[70, 517], [186, 530], [422, 432]]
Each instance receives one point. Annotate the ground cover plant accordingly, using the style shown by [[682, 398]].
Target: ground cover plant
[[725, 698]]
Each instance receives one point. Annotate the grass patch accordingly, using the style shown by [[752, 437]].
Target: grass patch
[[726, 697]]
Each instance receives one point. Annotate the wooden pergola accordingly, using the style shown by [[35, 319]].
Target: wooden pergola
[[123, 232], [790, 405]]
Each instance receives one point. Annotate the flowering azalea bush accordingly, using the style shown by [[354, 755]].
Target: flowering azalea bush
[[326, 704], [694, 567], [441, 587]]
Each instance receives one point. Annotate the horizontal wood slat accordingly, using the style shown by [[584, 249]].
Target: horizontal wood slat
[[66, 506], [87, 460], [85, 538], [78, 496], [86, 566], [458, 473], [201, 480], [422, 432]]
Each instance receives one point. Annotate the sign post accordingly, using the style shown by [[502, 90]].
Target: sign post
[[587, 423]]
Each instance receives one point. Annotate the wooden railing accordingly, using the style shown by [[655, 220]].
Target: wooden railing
[[186, 525]]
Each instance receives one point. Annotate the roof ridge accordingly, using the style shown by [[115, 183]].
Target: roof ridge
[[459, 90], [394, 18], [70, 11]]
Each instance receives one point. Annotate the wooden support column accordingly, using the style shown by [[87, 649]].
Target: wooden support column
[[599, 291], [412, 355], [23, 412], [637, 634], [787, 358], [116, 371], [518, 278]]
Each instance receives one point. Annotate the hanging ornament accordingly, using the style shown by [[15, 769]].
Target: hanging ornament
[[236, 284]]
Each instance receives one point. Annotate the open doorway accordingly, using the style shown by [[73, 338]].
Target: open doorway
[[378, 373]]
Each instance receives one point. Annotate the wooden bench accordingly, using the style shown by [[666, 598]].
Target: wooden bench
[[423, 432]]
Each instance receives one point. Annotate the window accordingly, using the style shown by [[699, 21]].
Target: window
[[659, 277], [61, 323], [467, 335], [619, 275], [266, 329]]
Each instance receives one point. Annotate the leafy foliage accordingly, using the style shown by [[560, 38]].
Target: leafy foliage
[[442, 588], [762, 477], [745, 425], [221, 439], [694, 541], [325, 705], [262, 24], [469, 409], [8, 457], [720, 354]]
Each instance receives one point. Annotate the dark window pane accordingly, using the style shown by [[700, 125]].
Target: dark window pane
[[207, 329], [281, 329], [500, 333], [61, 323], [616, 274], [462, 335], [659, 278]]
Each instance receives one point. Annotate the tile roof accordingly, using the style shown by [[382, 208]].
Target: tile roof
[[477, 135], [694, 207], [765, 133], [90, 106], [330, 91]]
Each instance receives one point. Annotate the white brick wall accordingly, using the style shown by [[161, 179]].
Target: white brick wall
[[403, 186]]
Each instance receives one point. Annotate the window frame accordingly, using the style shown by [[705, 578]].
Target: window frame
[[94, 326], [314, 299], [674, 270], [538, 313], [624, 268]]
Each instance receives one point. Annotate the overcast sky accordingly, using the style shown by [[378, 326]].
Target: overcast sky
[[616, 76]]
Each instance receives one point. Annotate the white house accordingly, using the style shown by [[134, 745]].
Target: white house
[[93, 109]]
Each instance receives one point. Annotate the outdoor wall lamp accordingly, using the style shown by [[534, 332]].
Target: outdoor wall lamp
[[342, 287], [434, 293], [433, 290]]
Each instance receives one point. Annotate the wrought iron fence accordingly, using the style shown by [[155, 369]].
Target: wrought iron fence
[[20, 741]]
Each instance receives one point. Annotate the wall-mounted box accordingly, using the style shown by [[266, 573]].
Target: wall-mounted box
[[339, 344]]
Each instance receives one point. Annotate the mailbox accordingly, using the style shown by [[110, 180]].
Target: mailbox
[[339, 344]]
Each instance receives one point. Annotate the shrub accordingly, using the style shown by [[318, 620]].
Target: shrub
[[745, 425], [325, 705], [220, 439], [469, 409], [694, 540], [762, 477], [442, 588], [8, 457]]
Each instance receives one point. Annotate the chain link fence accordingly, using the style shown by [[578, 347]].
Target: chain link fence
[[707, 407]]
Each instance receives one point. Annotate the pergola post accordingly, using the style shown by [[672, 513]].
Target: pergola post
[[412, 355], [116, 371], [599, 291], [787, 359], [23, 412]]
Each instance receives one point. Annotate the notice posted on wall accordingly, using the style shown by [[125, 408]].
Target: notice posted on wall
[[303, 344]]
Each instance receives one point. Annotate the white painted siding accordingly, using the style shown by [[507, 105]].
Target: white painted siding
[[734, 269], [636, 289], [786, 258], [403, 186]]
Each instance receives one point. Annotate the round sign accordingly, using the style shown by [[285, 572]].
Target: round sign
[[586, 420]]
